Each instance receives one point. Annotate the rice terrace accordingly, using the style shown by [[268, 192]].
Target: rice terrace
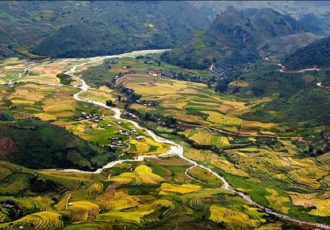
[[123, 115]]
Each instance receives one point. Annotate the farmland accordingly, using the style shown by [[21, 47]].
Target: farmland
[[254, 151], [160, 191]]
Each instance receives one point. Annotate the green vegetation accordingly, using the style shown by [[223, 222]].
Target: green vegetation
[[233, 38], [50, 147], [97, 74], [5, 116], [64, 78], [316, 53], [71, 29], [299, 107], [280, 165], [278, 48]]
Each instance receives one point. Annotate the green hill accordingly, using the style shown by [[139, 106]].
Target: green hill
[[294, 95], [66, 29], [36, 144], [316, 53], [233, 38], [280, 47]]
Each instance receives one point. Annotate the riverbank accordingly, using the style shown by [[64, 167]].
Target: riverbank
[[175, 150]]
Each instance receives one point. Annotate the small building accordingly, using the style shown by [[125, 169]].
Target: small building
[[139, 138], [155, 73]]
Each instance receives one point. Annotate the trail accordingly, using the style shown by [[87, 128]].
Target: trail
[[327, 88], [282, 70], [175, 150], [319, 84], [11, 82]]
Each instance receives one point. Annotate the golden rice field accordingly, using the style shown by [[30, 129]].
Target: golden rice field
[[232, 219], [206, 137], [118, 201], [205, 176], [100, 95], [178, 98], [136, 194], [141, 175], [134, 217], [277, 201], [214, 159], [239, 83], [147, 146], [82, 210], [41, 79], [39, 220], [148, 86], [167, 188]]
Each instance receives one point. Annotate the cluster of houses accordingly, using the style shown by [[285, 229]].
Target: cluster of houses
[[148, 62], [130, 115], [147, 103], [108, 63], [116, 142], [89, 116], [154, 73]]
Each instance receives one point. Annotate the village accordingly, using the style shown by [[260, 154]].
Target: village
[[89, 116], [118, 140]]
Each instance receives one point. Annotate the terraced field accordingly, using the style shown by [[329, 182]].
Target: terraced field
[[149, 189]]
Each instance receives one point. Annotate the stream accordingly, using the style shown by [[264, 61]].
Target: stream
[[175, 150]]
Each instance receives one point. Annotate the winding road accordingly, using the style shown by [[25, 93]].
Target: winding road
[[11, 82], [175, 150]]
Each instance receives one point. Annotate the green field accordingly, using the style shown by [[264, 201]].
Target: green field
[[42, 129]]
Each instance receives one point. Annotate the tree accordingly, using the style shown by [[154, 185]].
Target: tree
[[110, 103], [4, 116]]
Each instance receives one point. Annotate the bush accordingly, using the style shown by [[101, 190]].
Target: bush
[[5, 116]]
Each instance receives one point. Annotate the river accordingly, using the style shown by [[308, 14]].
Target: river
[[175, 149]]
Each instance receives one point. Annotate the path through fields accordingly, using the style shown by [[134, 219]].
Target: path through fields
[[175, 150]]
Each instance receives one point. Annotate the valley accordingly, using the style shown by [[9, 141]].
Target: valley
[[131, 115], [189, 174]]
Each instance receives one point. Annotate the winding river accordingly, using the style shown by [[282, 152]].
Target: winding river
[[175, 149]]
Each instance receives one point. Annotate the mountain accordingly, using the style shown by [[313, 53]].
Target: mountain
[[296, 9], [291, 94], [280, 47], [316, 53], [73, 28], [50, 147], [320, 21], [233, 38]]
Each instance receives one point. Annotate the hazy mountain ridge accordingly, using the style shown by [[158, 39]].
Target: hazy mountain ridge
[[317, 53], [233, 38], [65, 29]]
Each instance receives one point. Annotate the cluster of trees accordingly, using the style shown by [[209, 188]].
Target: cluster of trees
[[316, 145], [64, 78], [131, 96], [167, 121], [209, 80], [5, 116], [316, 53]]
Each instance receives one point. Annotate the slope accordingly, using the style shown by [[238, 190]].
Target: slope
[[233, 38], [316, 53], [64, 29]]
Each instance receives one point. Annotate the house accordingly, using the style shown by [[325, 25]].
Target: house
[[91, 117], [154, 73], [139, 138], [148, 62]]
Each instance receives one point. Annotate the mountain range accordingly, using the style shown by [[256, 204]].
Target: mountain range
[[316, 53], [233, 38], [74, 28]]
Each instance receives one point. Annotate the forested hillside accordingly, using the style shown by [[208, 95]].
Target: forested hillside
[[317, 53], [233, 38], [70, 29]]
